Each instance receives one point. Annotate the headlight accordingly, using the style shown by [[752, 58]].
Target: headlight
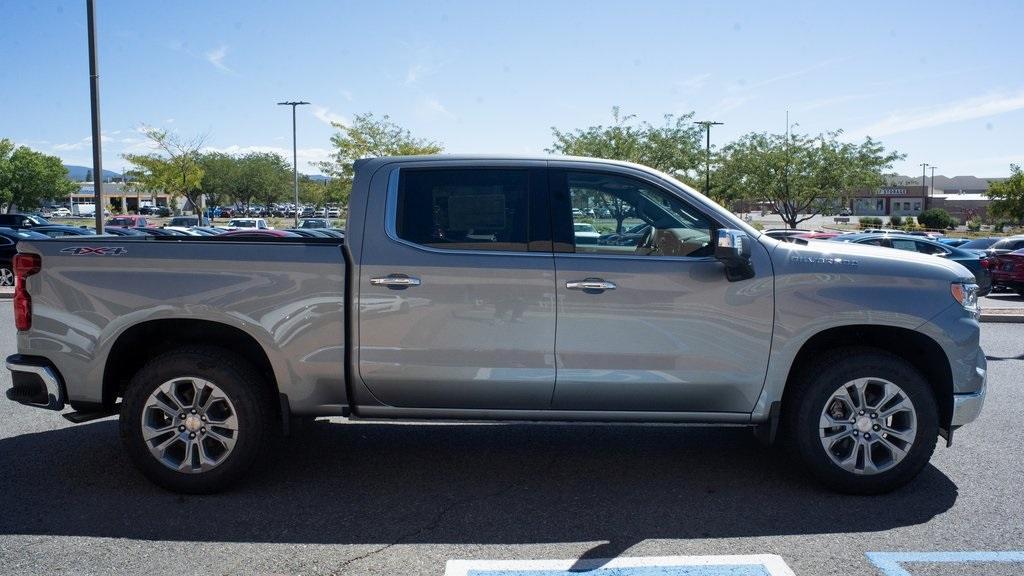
[[967, 295]]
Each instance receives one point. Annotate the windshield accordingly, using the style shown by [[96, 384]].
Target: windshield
[[979, 244]]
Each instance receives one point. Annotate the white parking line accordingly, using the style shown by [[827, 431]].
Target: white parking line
[[740, 565]]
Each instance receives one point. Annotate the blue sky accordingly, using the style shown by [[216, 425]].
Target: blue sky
[[941, 81]]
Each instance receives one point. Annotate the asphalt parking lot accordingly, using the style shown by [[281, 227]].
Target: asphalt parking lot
[[374, 498]]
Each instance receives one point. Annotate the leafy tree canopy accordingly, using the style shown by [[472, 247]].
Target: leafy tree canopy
[[28, 177], [1008, 196]]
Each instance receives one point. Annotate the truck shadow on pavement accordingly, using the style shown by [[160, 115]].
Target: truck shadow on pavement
[[368, 483]]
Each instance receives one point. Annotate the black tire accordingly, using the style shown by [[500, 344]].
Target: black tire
[[236, 378], [814, 386]]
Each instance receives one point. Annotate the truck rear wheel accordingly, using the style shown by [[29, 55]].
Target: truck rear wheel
[[195, 419], [863, 421]]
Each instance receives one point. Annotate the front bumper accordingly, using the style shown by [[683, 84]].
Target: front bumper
[[967, 407], [36, 382]]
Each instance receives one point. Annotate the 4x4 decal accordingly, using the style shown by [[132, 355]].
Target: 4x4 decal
[[95, 251]]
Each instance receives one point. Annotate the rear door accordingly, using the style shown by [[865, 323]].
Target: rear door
[[457, 286], [647, 320]]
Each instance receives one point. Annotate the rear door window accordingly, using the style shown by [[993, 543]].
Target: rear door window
[[901, 244], [464, 209]]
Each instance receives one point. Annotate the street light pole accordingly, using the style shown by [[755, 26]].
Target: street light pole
[[707, 124], [295, 157], [924, 168], [931, 185], [94, 102]]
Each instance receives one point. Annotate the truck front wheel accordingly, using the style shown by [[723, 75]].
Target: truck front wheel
[[863, 421], [194, 419]]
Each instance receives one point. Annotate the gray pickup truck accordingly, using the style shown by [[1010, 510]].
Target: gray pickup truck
[[461, 292]]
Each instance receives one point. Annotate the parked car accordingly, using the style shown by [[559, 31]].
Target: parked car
[[926, 233], [243, 223], [817, 235], [310, 232], [57, 231], [1008, 271], [860, 358], [207, 230], [9, 238], [129, 221], [161, 231], [954, 242], [585, 233], [258, 232], [187, 231], [980, 244], [315, 223], [977, 265], [61, 213], [188, 221], [334, 212], [122, 231], [1005, 246], [19, 221], [786, 233]]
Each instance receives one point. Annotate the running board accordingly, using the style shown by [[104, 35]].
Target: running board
[[80, 417]]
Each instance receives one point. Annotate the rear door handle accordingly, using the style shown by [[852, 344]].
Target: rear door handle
[[591, 284], [395, 281]]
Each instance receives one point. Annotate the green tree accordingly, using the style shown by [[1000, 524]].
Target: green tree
[[220, 176], [177, 167], [675, 147], [936, 219], [799, 175], [88, 176], [262, 176], [1008, 196], [313, 192], [370, 137], [28, 177]]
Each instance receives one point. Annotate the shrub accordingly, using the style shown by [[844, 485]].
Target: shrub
[[895, 221], [936, 219], [974, 225]]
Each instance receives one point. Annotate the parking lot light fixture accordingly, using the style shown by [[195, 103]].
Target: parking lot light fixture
[[295, 155]]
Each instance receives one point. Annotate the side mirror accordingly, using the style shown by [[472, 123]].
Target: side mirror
[[732, 248]]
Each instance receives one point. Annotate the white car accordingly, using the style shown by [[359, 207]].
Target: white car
[[61, 213], [246, 223], [585, 233], [334, 213]]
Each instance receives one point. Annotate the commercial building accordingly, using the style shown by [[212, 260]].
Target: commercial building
[[118, 196]]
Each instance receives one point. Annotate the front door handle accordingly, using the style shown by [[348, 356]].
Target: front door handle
[[395, 281], [591, 284]]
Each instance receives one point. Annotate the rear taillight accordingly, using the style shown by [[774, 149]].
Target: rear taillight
[[986, 263], [25, 265]]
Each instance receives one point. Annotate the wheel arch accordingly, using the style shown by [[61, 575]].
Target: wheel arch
[[920, 350], [143, 341]]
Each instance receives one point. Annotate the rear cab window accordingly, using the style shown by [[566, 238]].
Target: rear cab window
[[486, 209]]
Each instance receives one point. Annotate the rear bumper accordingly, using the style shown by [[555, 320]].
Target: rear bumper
[[36, 382], [967, 407]]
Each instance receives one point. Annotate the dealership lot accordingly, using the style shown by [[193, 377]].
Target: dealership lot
[[404, 499]]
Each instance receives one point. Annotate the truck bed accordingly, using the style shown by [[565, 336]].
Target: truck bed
[[119, 298]]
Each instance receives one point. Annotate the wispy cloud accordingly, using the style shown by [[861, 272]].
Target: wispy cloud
[[730, 103], [788, 75], [693, 83], [216, 57], [830, 101], [429, 107], [959, 111], [325, 115]]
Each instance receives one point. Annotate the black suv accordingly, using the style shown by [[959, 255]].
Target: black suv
[[18, 221]]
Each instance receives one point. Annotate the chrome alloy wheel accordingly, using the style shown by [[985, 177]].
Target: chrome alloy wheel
[[868, 426], [6, 277], [189, 425]]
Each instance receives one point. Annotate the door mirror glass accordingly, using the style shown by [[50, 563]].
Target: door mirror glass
[[732, 248]]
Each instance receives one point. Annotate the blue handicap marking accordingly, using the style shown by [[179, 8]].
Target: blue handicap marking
[[734, 565], [892, 563]]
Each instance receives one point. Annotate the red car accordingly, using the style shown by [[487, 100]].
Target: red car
[[1008, 271]]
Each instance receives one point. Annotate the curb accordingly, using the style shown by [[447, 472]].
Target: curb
[[1007, 316]]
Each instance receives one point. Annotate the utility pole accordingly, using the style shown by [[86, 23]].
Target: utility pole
[[924, 168], [94, 97], [707, 124], [295, 157], [931, 185]]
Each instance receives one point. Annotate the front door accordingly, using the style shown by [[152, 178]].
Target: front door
[[456, 300], [646, 317]]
